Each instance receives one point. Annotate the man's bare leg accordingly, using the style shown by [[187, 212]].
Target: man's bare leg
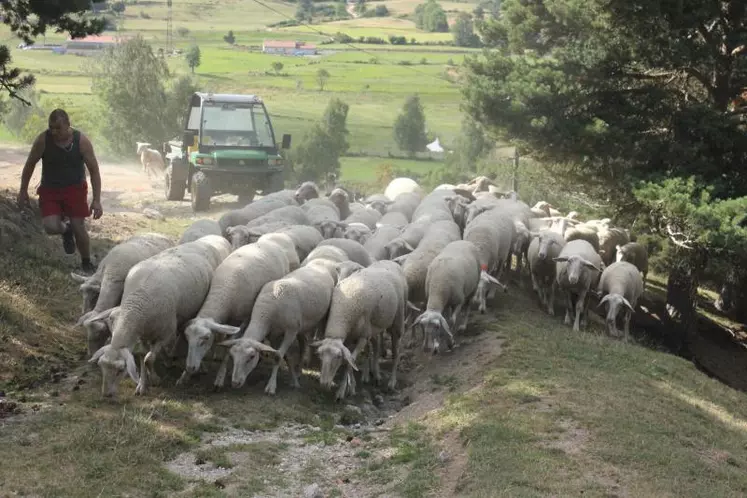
[[54, 225], [81, 238]]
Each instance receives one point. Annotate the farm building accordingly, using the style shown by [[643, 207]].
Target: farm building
[[288, 47], [87, 46]]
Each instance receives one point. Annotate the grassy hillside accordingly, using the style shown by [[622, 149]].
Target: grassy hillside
[[522, 407], [373, 79]]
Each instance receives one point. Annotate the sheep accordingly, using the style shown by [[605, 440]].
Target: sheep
[[401, 185], [356, 231], [200, 228], [405, 203], [284, 216], [324, 215], [235, 285], [291, 308], [584, 232], [436, 206], [544, 247], [355, 251], [340, 199], [275, 200], [376, 244], [491, 233], [408, 240], [609, 239], [150, 158], [451, 283], [635, 253], [620, 284], [577, 271], [395, 219], [304, 237], [160, 295], [415, 264], [327, 252], [366, 215], [103, 290], [363, 305]]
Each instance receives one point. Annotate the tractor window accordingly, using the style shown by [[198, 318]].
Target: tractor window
[[243, 125]]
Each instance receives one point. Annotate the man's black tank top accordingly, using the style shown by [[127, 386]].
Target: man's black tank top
[[62, 167]]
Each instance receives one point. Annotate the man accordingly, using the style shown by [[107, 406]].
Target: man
[[63, 193]]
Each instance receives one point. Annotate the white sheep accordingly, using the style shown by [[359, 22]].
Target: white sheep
[[492, 234], [583, 231], [284, 216], [395, 219], [160, 295], [235, 285], [545, 246], [577, 272], [151, 159], [406, 203], [408, 240], [324, 215], [304, 237], [363, 305], [290, 309], [355, 251], [621, 286], [635, 253], [326, 252], [401, 185], [199, 229], [609, 239], [356, 231], [377, 242], [366, 215], [103, 290], [415, 264], [451, 283]]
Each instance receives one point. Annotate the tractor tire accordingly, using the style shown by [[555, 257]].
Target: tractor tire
[[175, 181], [275, 183], [201, 192]]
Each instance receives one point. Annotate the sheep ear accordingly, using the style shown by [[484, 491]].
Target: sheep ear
[[228, 343], [83, 318], [78, 278], [407, 246], [401, 260], [97, 354], [628, 305], [560, 259], [130, 363], [349, 358], [316, 344], [445, 327], [229, 231], [603, 300], [219, 328], [413, 307], [591, 265], [101, 316]]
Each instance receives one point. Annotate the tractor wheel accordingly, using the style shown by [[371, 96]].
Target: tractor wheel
[[275, 183], [201, 192], [175, 181]]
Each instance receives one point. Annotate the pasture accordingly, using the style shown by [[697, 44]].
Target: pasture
[[374, 80]]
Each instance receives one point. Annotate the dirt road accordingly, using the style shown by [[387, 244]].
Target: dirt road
[[125, 187]]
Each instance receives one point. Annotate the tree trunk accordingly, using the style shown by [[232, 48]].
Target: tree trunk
[[732, 300], [682, 294]]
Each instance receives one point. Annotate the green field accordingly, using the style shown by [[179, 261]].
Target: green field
[[374, 80]]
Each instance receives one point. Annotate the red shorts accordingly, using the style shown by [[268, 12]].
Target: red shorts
[[69, 201]]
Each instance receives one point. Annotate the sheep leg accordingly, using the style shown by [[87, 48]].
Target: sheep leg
[[366, 367], [183, 378], [628, 316], [148, 371], [568, 308], [551, 299], [579, 311], [220, 377], [396, 337], [288, 339], [294, 367], [379, 345]]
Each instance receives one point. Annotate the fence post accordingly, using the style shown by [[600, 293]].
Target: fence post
[[515, 179]]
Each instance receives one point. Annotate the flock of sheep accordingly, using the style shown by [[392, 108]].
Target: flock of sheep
[[295, 270]]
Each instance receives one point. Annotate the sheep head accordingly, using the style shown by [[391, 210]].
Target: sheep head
[[329, 228], [98, 327], [200, 334], [245, 353], [614, 303], [332, 353], [357, 232], [576, 266], [398, 247], [379, 205], [545, 243], [434, 327], [141, 146], [347, 268], [90, 290], [306, 191], [114, 363], [238, 235]]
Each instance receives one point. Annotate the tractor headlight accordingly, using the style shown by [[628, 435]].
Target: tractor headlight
[[275, 162], [205, 161]]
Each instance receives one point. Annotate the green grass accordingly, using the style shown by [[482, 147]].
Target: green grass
[[374, 80]]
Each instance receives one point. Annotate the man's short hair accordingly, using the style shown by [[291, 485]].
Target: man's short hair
[[59, 114]]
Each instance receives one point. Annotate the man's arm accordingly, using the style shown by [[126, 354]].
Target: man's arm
[[35, 155], [89, 157]]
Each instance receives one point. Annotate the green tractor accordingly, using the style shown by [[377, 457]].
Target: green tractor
[[228, 147]]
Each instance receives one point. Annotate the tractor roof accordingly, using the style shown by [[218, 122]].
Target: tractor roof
[[229, 98]]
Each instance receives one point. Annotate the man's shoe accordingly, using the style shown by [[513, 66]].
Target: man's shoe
[[68, 240]]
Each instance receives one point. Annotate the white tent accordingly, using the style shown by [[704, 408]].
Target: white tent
[[435, 146]]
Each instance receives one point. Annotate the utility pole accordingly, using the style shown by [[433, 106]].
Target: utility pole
[[169, 33]]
